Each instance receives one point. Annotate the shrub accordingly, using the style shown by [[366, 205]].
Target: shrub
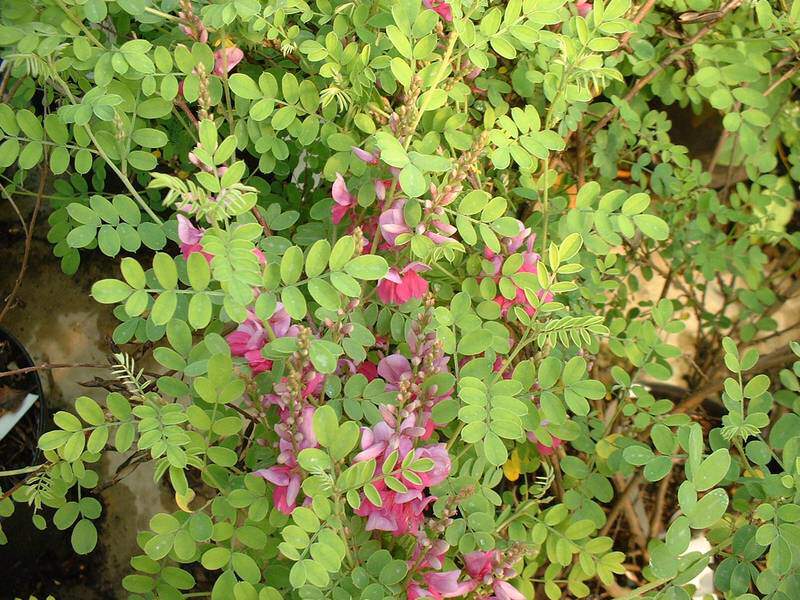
[[394, 259]]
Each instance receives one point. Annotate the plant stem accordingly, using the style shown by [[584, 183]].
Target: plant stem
[[79, 23], [20, 471], [125, 181]]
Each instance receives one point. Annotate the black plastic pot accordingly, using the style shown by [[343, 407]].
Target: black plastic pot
[[19, 447]]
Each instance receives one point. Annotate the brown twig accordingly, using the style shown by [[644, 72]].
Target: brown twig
[[668, 60], [45, 366], [781, 79], [130, 464], [20, 483], [634, 525], [619, 504], [657, 522], [640, 16], [28, 237], [4, 83], [261, 221]]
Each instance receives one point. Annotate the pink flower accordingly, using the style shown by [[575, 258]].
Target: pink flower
[[441, 8], [440, 585], [287, 481], [368, 370], [195, 29], [393, 223], [287, 476], [441, 464], [190, 237], [371, 158], [530, 260], [479, 564], [486, 568], [393, 369], [505, 591], [251, 336], [583, 7], [225, 59], [544, 449], [398, 287], [342, 199], [442, 236], [380, 441], [398, 514]]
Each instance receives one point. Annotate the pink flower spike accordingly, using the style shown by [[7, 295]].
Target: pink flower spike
[[393, 368], [196, 30], [479, 564], [446, 584], [583, 7], [441, 464], [505, 591], [342, 198], [400, 287], [190, 238], [226, 59], [371, 158], [392, 222], [441, 8]]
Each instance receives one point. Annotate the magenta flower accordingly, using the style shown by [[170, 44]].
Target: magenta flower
[[440, 585], [343, 199], [368, 370], [393, 369], [505, 591], [441, 8], [398, 287], [479, 564], [371, 158], [398, 514], [287, 482], [513, 244], [392, 222], [190, 237], [441, 464], [530, 260], [380, 441], [195, 28], [486, 568], [583, 7], [226, 59], [287, 476], [441, 232], [544, 449], [251, 336]]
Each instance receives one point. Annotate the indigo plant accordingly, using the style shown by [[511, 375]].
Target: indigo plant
[[414, 273]]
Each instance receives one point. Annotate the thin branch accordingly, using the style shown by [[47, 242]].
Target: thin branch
[[10, 199], [783, 78], [640, 16], [668, 60], [47, 366], [28, 237], [657, 522], [619, 504]]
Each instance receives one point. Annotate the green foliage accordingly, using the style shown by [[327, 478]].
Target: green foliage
[[436, 262]]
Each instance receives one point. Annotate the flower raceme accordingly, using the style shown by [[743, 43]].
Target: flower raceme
[[400, 286], [441, 8]]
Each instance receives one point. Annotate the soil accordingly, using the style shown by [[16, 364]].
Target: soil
[[37, 562], [41, 563], [18, 448]]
